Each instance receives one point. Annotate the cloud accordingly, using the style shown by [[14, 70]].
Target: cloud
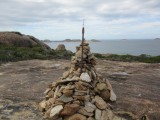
[[101, 16]]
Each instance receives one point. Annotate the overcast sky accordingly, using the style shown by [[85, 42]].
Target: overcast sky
[[61, 19]]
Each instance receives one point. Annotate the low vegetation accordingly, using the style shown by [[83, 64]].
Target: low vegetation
[[130, 58], [12, 53]]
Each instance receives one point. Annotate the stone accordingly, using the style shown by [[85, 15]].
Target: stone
[[66, 74], [42, 105], [112, 96], [93, 74], [79, 54], [67, 92], [76, 102], [90, 118], [98, 114], [107, 115], [100, 103], [70, 87], [76, 117], [101, 86], [70, 109], [79, 93], [120, 118], [105, 94], [51, 100], [85, 77], [89, 107], [50, 93], [65, 99], [61, 47], [119, 75], [82, 98], [55, 111], [79, 85], [47, 90], [84, 112]]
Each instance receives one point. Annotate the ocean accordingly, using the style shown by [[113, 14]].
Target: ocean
[[132, 47]]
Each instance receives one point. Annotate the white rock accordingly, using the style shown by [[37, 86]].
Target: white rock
[[120, 73], [112, 96], [85, 77], [90, 105], [98, 114], [55, 111]]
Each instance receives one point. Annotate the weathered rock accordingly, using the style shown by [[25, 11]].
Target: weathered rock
[[107, 115], [84, 112], [98, 114], [61, 47], [50, 93], [85, 77], [90, 118], [67, 92], [82, 98], [101, 86], [93, 74], [76, 117], [79, 85], [65, 99], [55, 111], [20, 40], [79, 93], [79, 54], [105, 94], [42, 105], [70, 109], [100, 103], [47, 90], [89, 107], [51, 100], [112, 96], [66, 74]]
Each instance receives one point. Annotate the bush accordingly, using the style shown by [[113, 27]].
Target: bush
[[12, 53], [131, 58]]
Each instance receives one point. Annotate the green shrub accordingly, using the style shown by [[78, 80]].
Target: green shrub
[[131, 58], [12, 53]]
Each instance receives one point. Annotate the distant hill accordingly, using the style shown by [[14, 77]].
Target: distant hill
[[157, 39], [47, 41], [77, 40], [15, 46], [20, 40], [93, 40], [69, 40]]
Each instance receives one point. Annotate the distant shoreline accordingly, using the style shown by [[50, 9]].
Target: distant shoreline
[[70, 40]]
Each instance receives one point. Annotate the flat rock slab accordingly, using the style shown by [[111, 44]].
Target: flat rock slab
[[33, 76]]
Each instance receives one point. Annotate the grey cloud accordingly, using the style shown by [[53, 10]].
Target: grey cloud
[[20, 12]]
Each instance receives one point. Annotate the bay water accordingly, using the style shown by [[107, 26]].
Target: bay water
[[132, 47]]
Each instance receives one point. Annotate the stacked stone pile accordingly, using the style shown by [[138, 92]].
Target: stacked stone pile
[[81, 93]]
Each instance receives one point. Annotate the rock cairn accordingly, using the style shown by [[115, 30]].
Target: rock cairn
[[81, 93]]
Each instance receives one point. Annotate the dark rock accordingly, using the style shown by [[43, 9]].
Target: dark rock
[[70, 109]]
